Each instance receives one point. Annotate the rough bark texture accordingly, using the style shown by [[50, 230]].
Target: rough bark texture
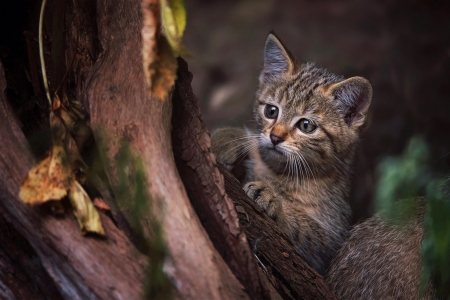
[[80, 267], [122, 106], [205, 186]]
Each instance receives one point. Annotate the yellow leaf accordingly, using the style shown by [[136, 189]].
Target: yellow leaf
[[173, 16], [47, 180], [83, 209]]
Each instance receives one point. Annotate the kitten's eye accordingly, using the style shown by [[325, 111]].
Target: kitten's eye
[[306, 126], [271, 111]]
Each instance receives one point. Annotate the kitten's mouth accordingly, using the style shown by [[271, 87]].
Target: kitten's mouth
[[275, 149]]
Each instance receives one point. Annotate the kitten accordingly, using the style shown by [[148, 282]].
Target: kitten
[[297, 166]]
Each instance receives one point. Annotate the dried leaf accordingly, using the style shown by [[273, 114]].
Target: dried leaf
[[54, 177], [150, 32], [47, 180], [159, 61], [173, 16], [101, 204], [83, 209], [56, 102], [164, 76]]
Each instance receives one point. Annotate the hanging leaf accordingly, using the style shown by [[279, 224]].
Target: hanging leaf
[[165, 73], [150, 31], [83, 209], [158, 57], [56, 175], [174, 22]]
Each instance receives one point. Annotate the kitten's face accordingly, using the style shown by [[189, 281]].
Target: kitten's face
[[307, 116]]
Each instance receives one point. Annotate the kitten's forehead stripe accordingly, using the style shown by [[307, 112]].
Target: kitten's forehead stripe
[[331, 138]]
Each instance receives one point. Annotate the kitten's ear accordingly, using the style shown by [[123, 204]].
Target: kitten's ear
[[352, 97], [277, 60]]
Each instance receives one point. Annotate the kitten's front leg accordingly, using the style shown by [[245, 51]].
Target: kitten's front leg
[[266, 196], [315, 244]]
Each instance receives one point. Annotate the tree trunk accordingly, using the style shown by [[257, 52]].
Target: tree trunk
[[208, 254]]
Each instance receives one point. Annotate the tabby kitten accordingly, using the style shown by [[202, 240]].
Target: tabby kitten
[[297, 165]]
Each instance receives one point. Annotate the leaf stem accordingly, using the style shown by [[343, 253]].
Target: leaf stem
[[41, 53]]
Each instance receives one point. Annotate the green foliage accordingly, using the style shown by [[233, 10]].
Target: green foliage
[[407, 177]]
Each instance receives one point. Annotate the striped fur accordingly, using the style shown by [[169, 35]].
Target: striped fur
[[302, 182]]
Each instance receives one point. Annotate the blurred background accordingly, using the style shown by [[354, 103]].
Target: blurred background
[[401, 47]]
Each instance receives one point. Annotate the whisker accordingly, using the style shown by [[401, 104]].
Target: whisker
[[248, 137]]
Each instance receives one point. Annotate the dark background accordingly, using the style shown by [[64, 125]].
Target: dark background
[[401, 47]]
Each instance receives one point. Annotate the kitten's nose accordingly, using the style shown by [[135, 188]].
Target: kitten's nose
[[276, 139]]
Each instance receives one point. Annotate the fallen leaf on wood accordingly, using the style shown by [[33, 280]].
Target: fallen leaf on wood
[[54, 177], [47, 180], [83, 209], [101, 204]]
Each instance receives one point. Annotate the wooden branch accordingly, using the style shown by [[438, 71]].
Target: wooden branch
[[80, 267], [121, 105], [205, 186], [21, 277]]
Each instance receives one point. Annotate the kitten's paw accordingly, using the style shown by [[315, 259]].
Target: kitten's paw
[[264, 194]]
